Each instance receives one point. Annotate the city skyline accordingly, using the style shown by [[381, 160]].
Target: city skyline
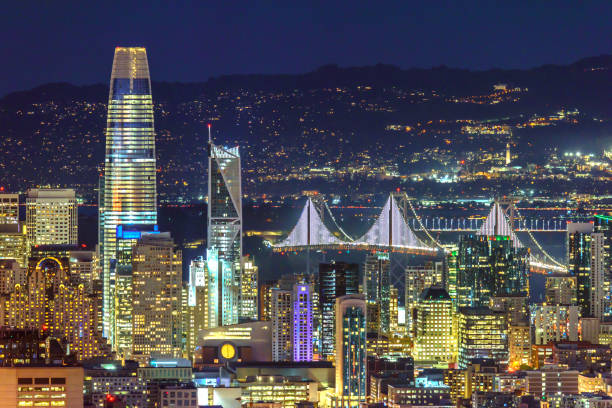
[[351, 237]]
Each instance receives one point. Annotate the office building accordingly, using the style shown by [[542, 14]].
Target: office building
[[225, 221], [121, 269], [284, 391], [9, 208], [51, 217], [128, 191], [248, 290], [519, 345], [490, 266], [586, 261], [351, 362], [603, 225], [54, 300], [393, 310], [434, 338], [265, 300], [281, 319], [377, 289], [14, 243], [561, 290], [245, 342], [118, 379], [483, 333], [544, 383], [11, 274], [335, 279], [302, 331], [156, 296], [553, 323], [48, 386]]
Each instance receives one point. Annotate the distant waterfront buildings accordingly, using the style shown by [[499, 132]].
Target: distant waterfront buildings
[[128, 191]]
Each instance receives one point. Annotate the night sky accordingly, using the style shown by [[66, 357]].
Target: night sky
[[48, 41]]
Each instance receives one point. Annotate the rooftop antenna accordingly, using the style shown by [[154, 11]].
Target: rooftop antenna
[[209, 137]]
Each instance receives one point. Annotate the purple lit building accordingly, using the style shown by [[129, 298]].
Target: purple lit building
[[302, 323]]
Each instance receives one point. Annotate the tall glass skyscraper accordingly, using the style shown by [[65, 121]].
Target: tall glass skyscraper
[[225, 219], [128, 193]]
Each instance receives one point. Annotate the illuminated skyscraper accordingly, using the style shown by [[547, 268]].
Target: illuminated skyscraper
[[351, 364], [603, 225], [377, 288], [156, 296], [9, 208], [225, 212], [128, 193], [281, 324], [335, 279], [302, 340], [586, 259], [483, 333], [435, 339], [51, 217], [248, 290], [489, 265]]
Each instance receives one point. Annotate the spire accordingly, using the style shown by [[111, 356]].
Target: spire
[[209, 137]]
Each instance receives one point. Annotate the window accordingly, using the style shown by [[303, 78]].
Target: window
[[41, 380], [58, 380]]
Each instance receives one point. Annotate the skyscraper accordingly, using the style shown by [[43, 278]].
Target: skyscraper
[[435, 339], [281, 324], [156, 296], [490, 265], [377, 288], [302, 333], [335, 279], [603, 225], [351, 364], [128, 193], [9, 208], [51, 217], [248, 290], [483, 333], [586, 260], [225, 210]]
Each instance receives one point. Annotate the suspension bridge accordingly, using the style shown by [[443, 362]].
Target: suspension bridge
[[317, 229]]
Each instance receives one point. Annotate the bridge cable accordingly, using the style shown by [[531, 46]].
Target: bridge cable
[[423, 227]]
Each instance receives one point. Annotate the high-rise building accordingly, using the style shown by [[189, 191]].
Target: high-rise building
[[377, 289], [434, 339], [128, 191], [393, 310], [281, 319], [351, 362], [156, 297], [51, 217], [490, 266], [560, 290], [419, 278], [586, 261], [483, 333], [553, 323], [302, 332], [54, 300], [603, 225], [248, 290], [9, 208], [335, 279], [225, 215], [265, 300], [121, 269], [14, 243]]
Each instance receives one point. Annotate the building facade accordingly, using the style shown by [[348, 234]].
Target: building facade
[[51, 217]]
